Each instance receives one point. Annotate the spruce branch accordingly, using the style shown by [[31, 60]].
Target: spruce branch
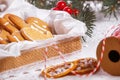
[[110, 8], [88, 17]]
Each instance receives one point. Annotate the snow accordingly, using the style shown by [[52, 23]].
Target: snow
[[88, 50]]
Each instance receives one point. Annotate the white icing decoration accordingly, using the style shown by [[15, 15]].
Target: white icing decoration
[[40, 28], [1, 38], [6, 23], [42, 25], [16, 38], [27, 35], [36, 21], [36, 29]]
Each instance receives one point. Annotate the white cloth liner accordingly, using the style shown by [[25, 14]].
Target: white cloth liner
[[61, 23]]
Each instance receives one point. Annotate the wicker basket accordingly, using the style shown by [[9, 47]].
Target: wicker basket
[[36, 54]]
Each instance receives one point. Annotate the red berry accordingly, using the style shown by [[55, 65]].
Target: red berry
[[55, 8], [68, 9], [61, 4], [76, 12]]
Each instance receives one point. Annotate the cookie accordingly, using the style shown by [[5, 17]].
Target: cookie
[[59, 70], [85, 66], [31, 33], [19, 22], [4, 33], [2, 41], [12, 38], [6, 16], [18, 36], [7, 26], [11, 29], [80, 66], [37, 23]]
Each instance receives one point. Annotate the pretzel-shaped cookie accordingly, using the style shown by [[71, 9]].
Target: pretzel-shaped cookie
[[59, 70]]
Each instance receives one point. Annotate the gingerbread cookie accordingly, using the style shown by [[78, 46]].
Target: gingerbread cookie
[[32, 33], [20, 23], [38, 23], [4, 33], [2, 41], [6, 25], [6, 16], [12, 38], [11, 29]]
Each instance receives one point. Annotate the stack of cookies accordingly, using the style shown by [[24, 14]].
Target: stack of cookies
[[15, 29]]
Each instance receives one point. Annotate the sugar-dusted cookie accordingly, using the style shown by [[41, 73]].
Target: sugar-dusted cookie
[[59, 70], [80, 67], [85, 65]]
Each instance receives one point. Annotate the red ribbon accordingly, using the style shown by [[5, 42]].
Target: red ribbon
[[116, 33]]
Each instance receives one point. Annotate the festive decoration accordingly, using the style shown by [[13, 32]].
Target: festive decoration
[[61, 4], [68, 9], [109, 55]]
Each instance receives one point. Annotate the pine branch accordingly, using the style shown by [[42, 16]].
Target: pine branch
[[110, 7], [88, 17]]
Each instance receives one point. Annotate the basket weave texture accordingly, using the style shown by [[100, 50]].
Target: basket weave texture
[[36, 54]]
